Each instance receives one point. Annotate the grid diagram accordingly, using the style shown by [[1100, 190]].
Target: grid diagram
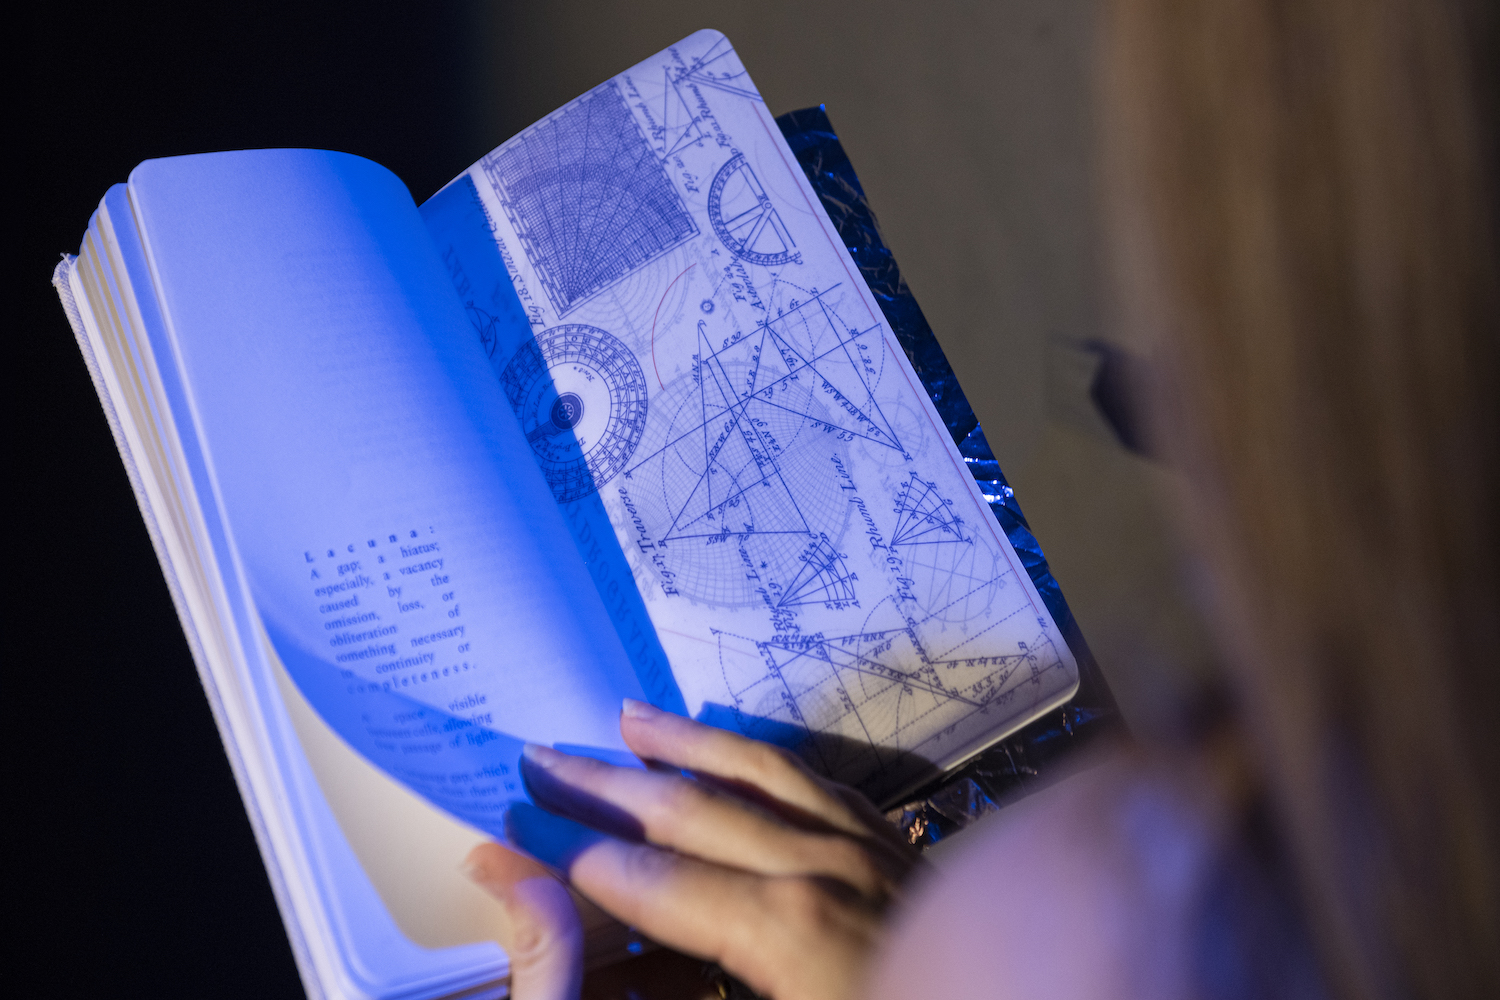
[[587, 197]]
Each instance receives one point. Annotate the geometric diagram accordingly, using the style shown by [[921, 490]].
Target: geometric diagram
[[671, 118], [733, 494], [673, 123], [923, 517], [954, 582], [485, 324], [908, 423], [744, 218], [742, 449], [720, 69], [859, 699], [951, 578], [823, 579], [813, 343], [587, 197], [580, 395]]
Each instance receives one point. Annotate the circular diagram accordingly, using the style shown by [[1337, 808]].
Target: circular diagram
[[738, 489], [744, 218], [580, 395]]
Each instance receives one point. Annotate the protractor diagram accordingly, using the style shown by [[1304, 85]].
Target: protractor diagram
[[745, 219], [581, 398]]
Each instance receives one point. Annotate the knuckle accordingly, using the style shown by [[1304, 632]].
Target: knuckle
[[680, 797], [769, 763], [542, 922], [800, 920], [799, 903], [645, 866], [528, 943], [854, 865], [533, 942], [673, 800], [630, 890]]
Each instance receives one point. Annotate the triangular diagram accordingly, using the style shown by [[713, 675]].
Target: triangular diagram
[[840, 384], [759, 406], [817, 349], [822, 579], [720, 69], [739, 488], [889, 664], [925, 518], [676, 125]]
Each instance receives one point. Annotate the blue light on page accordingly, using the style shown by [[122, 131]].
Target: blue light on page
[[572, 375], [430, 603]]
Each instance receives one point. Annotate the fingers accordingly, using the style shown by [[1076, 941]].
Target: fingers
[[760, 771], [746, 765], [539, 927], [871, 817], [787, 897], [672, 811], [785, 937]]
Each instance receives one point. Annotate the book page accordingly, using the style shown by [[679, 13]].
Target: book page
[[403, 554], [700, 371]]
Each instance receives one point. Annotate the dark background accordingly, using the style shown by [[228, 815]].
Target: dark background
[[133, 870], [144, 876]]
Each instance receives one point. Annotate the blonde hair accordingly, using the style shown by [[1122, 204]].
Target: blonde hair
[[1300, 200]]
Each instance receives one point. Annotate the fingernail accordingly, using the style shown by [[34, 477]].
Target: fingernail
[[638, 709], [499, 889], [544, 757]]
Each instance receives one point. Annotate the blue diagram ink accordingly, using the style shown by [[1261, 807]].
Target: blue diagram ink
[[587, 197], [796, 512], [580, 395], [744, 218]]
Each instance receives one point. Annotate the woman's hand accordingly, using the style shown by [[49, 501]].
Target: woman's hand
[[539, 926], [754, 862]]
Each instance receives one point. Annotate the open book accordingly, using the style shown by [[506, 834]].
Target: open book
[[611, 415]]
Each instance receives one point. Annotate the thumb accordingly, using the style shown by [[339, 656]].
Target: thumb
[[539, 927]]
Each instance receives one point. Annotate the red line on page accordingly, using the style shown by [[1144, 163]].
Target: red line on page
[[658, 313]]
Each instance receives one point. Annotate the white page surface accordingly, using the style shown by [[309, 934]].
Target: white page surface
[[696, 361], [407, 561]]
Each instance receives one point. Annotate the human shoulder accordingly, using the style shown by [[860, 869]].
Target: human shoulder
[[1084, 889]]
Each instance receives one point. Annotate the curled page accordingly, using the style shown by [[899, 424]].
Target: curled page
[[405, 559]]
